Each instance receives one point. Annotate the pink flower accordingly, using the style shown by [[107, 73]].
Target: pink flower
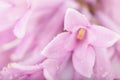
[[11, 14], [35, 24], [84, 45], [30, 24], [50, 23], [81, 51], [72, 54]]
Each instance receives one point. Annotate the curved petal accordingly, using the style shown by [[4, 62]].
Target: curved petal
[[20, 28], [25, 68], [58, 48], [74, 20], [103, 37], [50, 69], [21, 72], [58, 69], [103, 67], [84, 59], [66, 71], [21, 49]]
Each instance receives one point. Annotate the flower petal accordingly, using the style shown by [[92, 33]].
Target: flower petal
[[20, 28], [57, 47], [7, 37], [61, 69], [45, 4], [84, 59], [74, 20], [50, 69], [103, 67], [25, 68], [103, 36], [24, 45], [66, 70]]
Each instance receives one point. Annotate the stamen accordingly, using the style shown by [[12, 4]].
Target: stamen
[[81, 33]]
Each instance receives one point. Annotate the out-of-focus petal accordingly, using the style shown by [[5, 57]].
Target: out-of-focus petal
[[4, 5], [25, 68], [7, 37], [22, 48], [21, 26], [45, 4], [106, 21]]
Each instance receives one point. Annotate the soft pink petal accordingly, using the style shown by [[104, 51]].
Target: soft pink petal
[[25, 68], [107, 21], [103, 67], [57, 47], [48, 23], [59, 69], [45, 4], [21, 26], [5, 57], [50, 69], [22, 72], [23, 47], [103, 37], [112, 11], [74, 20], [7, 38], [84, 59], [66, 70]]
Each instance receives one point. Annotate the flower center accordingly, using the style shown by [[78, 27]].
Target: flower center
[[81, 33]]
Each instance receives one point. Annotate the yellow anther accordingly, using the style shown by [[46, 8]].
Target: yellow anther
[[81, 33]]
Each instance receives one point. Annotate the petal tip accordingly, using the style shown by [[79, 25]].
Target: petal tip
[[74, 19]]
